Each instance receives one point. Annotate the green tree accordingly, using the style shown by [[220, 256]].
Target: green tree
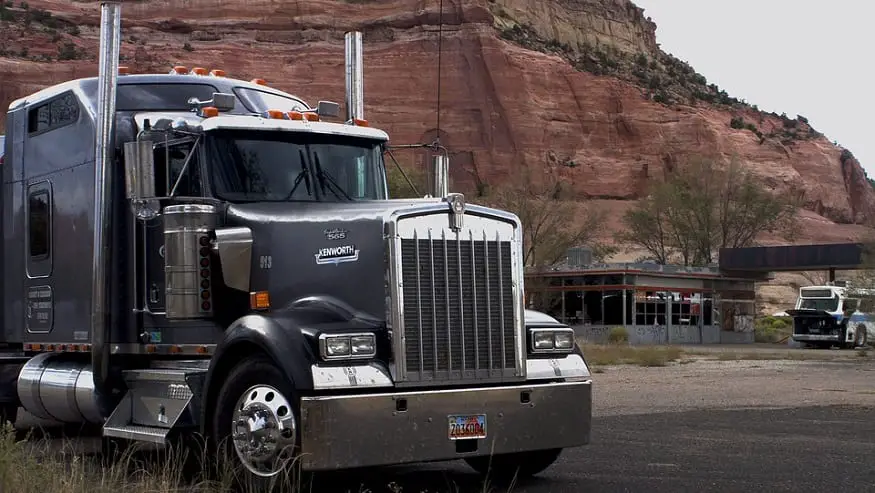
[[702, 207]]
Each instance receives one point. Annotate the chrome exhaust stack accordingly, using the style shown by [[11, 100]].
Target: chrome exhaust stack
[[355, 87], [107, 81]]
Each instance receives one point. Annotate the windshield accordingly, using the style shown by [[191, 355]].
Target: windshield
[[256, 166], [827, 304]]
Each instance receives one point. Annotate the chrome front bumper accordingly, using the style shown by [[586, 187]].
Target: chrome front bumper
[[816, 337], [340, 432]]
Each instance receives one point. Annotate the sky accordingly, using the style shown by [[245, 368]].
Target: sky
[[804, 57]]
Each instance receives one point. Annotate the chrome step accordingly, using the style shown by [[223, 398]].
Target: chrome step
[[157, 401], [137, 433]]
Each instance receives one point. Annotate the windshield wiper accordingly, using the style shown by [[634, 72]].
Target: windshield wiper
[[303, 175], [323, 176]]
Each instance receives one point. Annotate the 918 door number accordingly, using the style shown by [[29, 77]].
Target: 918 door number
[[464, 426]]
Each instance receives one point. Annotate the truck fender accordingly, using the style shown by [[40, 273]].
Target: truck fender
[[280, 338]]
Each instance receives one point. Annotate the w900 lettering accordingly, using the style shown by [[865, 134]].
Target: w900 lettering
[[293, 312]]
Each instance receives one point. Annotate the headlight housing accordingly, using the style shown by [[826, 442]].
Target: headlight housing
[[551, 340], [347, 346]]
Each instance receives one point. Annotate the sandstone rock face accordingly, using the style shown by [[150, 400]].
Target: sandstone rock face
[[501, 105]]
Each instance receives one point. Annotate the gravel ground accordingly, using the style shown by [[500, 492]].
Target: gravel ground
[[761, 425]]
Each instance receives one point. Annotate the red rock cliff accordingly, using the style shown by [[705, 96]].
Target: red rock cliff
[[581, 83]]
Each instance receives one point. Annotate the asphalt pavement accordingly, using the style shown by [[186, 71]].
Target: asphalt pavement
[[815, 449]]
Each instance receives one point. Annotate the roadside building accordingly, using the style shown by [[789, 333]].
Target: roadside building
[[658, 304]]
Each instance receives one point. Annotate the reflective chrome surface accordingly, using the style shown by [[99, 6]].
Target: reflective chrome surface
[[184, 225], [456, 296], [355, 83], [110, 35], [441, 176], [353, 376], [571, 367], [263, 430], [52, 388], [376, 429], [235, 253]]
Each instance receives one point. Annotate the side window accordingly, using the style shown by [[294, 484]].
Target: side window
[[61, 111], [168, 172], [39, 224]]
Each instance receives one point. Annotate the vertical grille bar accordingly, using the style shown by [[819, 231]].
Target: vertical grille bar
[[419, 296], [434, 333], [488, 297], [474, 292], [472, 336], [501, 298], [461, 302], [449, 327]]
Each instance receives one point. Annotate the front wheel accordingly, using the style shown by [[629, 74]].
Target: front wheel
[[255, 425], [506, 468], [860, 336]]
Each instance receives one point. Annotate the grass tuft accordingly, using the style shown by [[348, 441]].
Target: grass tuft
[[609, 354]]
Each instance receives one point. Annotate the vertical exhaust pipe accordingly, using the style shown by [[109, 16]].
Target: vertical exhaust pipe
[[107, 80], [355, 84]]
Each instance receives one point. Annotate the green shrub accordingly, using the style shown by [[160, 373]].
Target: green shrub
[[618, 335], [772, 329]]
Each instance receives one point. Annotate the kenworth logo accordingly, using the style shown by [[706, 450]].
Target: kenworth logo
[[336, 255]]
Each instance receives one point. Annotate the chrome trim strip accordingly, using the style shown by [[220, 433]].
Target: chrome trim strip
[[354, 376], [571, 367]]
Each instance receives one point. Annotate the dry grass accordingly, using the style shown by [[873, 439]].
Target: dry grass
[[598, 355], [42, 466], [621, 354]]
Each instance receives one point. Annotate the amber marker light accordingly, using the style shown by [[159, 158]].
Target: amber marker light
[[259, 300]]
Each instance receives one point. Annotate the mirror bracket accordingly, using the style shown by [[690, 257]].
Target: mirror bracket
[[221, 101]]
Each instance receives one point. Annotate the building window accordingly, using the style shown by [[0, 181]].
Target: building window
[[39, 223]]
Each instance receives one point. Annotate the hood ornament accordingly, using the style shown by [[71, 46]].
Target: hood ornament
[[457, 209]]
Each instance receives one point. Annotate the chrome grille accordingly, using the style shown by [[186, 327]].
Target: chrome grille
[[458, 307]]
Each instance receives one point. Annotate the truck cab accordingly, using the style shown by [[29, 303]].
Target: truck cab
[[830, 315], [192, 253]]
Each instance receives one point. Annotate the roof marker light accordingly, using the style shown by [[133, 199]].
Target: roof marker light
[[198, 71], [178, 70], [260, 82], [276, 114], [359, 122], [217, 72], [296, 115]]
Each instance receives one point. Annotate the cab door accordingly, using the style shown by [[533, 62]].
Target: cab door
[[39, 293]]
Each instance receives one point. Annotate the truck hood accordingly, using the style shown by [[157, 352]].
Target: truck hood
[[331, 254]]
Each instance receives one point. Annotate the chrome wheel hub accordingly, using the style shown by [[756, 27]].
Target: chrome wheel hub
[[263, 430]]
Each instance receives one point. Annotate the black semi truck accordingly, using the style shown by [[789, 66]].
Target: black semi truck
[[190, 253]]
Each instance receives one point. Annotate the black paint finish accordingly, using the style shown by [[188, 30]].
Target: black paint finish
[[50, 148]]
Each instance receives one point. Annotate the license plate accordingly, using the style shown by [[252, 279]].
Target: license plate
[[463, 426]]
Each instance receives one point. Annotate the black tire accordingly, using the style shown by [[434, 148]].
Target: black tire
[[253, 371], [507, 468], [861, 336]]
